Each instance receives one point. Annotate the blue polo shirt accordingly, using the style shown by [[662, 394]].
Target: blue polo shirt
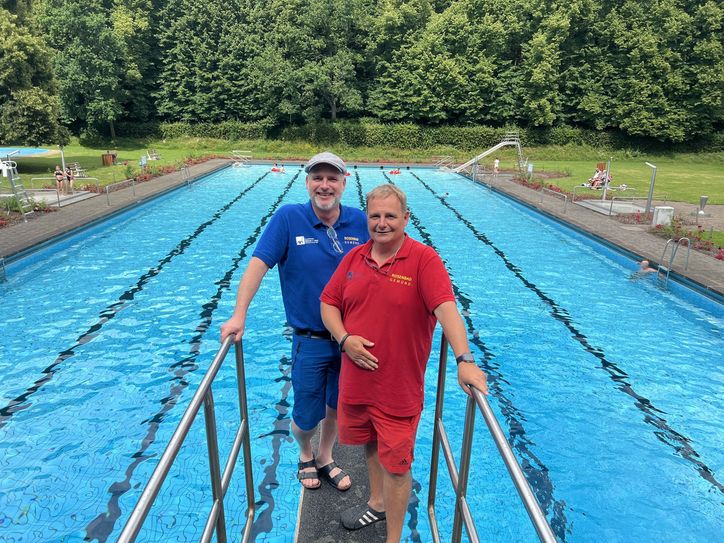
[[297, 240]]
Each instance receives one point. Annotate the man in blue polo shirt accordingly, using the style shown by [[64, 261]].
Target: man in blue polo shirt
[[308, 241]]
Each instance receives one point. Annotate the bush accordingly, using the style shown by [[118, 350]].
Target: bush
[[367, 132], [138, 130], [226, 130]]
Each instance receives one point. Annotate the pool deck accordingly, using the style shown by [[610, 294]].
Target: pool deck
[[636, 238], [21, 236], [704, 270]]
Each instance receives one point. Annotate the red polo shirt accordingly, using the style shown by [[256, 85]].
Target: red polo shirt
[[391, 305]]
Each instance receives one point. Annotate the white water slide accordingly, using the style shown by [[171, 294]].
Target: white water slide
[[510, 139]]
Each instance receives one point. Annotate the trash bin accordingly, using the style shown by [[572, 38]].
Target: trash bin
[[108, 159], [663, 215]]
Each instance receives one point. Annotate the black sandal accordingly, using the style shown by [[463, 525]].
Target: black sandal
[[301, 475], [360, 516], [325, 471]]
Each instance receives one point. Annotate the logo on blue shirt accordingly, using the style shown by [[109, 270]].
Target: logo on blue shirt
[[301, 240]]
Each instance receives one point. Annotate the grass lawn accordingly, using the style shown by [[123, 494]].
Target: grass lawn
[[682, 177], [679, 178]]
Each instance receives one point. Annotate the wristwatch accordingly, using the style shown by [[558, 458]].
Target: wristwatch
[[465, 357]]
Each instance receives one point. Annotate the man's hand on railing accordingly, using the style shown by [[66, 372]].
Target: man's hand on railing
[[470, 374], [234, 326]]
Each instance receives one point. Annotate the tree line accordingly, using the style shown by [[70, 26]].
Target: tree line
[[645, 68]]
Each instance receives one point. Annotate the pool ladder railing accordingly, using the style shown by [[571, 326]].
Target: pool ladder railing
[[443, 162], [675, 244], [186, 175], [216, 521], [459, 478], [25, 204]]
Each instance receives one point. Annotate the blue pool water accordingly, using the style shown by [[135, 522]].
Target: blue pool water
[[21, 151], [608, 387]]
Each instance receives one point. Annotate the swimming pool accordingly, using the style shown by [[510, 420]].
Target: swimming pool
[[21, 151], [609, 388]]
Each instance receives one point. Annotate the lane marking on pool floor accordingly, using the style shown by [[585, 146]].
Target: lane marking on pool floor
[[664, 432], [263, 521], [20, 402], [536, 472], [103, 525]]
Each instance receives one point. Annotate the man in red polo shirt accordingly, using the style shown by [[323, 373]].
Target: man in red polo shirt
[[382, 304]]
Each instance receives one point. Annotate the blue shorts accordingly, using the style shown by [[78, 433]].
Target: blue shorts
[[315, 379]]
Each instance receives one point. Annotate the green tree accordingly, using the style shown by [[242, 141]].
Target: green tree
[[541, 61], [311, 58], [210, 52], [28, 102], [133, 29], [86, 60]]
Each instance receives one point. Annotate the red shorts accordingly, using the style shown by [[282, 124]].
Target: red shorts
[[395, 436]]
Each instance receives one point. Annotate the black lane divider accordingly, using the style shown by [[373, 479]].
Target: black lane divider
[[536, 472], [264, 522], [102, 526], [21, 402], [662, 430]]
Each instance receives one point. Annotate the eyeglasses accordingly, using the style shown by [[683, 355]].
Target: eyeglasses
[[332, 234]]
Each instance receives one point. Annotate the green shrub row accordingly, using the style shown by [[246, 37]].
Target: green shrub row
[[472, 138], [368, 133], [226, 130]]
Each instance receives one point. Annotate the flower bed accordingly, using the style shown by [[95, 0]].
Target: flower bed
[[680, 229]]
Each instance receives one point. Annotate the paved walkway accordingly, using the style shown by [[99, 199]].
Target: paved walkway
[[20, 236], [703, 269]]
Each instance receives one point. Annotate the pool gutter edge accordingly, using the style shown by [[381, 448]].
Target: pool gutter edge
[[64, 234], [710, 291]]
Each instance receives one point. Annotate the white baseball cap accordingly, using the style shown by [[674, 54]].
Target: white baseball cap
[[326, 158]]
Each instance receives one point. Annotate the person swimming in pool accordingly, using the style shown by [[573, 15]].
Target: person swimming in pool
[[643, 271]]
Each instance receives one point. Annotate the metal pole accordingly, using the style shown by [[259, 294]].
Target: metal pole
[[462, 489], [244, 414], [133, 185], [108, 198], [535, 513], [607, 177], [214, 466], [140, 511], [436, 439], [651, 188]]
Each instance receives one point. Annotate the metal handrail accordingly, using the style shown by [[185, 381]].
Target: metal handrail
[[219, 481], [555, 193], [108, 187], [186, 175], [674, 248], [460, 480]]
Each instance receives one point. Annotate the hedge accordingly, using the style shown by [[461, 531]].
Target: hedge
[[370, 133], [225, 130], [472, 138]]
